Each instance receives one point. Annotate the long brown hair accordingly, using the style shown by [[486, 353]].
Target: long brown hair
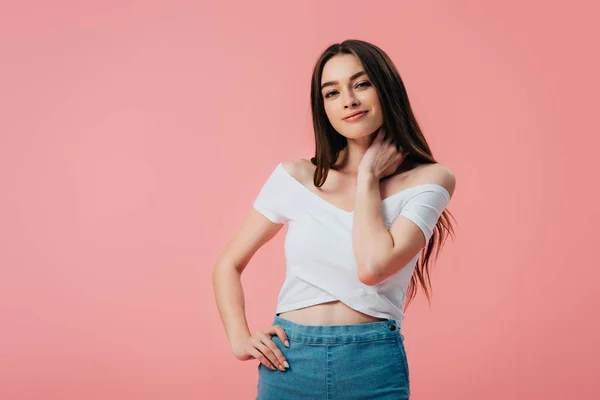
[[400, 124]]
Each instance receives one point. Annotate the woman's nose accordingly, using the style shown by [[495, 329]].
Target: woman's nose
[[350, 100]]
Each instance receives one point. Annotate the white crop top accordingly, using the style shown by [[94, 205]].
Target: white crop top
[[320, 264]]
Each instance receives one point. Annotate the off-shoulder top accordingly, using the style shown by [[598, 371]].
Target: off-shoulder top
[[320, 264]]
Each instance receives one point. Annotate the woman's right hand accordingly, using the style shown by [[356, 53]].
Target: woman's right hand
[[260, 346]]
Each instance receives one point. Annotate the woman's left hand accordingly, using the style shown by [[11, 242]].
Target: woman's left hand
[[382, 157]]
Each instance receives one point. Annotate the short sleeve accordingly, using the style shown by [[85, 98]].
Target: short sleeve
[[271, 199], [425, 207]]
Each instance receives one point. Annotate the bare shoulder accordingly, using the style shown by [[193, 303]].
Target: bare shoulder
[[298, 168], [435, 173]]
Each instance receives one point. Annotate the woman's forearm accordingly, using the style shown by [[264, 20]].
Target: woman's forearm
[[229, 296], [370, 237]]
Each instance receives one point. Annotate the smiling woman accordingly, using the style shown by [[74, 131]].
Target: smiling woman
[[355, 116], [357, 87], [364, 215]]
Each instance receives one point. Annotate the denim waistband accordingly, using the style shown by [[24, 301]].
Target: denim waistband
[[338, 334]]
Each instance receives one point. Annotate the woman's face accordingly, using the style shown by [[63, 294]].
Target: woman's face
[[346, 89]]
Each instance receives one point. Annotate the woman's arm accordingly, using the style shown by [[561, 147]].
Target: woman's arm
[[255, 231], [380, 252], [370, 237]]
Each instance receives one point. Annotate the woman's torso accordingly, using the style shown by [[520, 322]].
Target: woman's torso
[[339, 189], [331, 313]]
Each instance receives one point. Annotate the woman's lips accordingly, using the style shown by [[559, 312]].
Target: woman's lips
[[356, 117]]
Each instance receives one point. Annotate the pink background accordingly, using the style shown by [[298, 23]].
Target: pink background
[[134, 137]]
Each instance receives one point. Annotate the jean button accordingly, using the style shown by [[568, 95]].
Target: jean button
[[392, 327]]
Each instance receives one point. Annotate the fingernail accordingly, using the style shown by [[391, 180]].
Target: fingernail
[[287, 344], [286, 364]]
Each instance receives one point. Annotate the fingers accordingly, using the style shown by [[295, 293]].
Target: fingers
[[265, 355], [378, 138], [261, 357], [387, 141], [269, 349], [278, 330], [394, 148], [281, 334]]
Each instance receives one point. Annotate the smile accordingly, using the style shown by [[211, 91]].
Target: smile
[[356, 117]]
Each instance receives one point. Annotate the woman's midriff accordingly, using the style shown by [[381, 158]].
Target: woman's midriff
[[331, 313]]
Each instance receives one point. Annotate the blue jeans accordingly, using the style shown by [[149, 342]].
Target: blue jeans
[[339, 362]]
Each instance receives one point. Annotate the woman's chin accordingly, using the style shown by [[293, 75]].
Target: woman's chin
[[366, 134]]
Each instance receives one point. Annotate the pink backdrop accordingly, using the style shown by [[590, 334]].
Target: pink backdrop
[[134, 137]]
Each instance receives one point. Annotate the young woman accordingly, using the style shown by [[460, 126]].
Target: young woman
[[364, 215]]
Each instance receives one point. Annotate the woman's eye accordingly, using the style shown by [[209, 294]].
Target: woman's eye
[[335, 91]]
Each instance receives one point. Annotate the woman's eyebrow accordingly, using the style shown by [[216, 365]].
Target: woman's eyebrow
[[331, 83]]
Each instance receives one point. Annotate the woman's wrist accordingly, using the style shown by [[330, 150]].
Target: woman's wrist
[[239, 337], [366, 176]]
